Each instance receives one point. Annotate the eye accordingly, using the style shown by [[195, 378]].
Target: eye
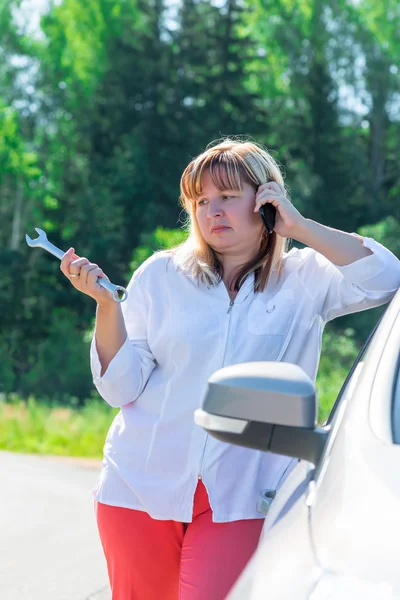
[[223, 196]]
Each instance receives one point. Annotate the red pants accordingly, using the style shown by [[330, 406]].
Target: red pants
[[149, 559]]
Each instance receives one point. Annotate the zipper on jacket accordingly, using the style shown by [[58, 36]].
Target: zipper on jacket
[[232, 302]]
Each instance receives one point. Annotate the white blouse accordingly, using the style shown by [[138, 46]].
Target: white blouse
[[179, 333]]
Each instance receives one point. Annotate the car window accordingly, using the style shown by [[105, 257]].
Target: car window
[[336, 417], [357, 361], [396, 407]]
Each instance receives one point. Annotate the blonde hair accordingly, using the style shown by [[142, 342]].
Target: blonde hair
[[229, 162]]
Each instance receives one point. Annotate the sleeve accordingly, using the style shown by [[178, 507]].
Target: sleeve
[[365, 283], [130, 369]]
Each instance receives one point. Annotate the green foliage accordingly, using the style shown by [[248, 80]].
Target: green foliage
[[65, 349], [20, 174], [160, 239], [339, 351], [386, 232], [8, 378], [101, 112], [78, 34]]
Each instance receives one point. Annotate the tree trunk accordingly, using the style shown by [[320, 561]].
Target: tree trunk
[[16, 223]]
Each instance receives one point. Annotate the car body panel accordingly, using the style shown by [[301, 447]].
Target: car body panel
[[267, 575], [276, 571], [355, 517], [333, 532]]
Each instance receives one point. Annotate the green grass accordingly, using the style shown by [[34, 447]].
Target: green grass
[[34, 427]]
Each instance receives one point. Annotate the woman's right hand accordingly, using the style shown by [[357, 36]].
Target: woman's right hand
[[83, 276]]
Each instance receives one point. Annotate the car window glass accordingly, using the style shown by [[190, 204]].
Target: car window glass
[[396, 409], [359, 358], [336, 417]]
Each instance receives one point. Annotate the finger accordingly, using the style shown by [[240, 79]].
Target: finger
[[268, 194], [272, 185], [66, 261], [76, 266], [83, 270], [93, 275], [269, 185], [274, 201], [280, 187], [79, 262]]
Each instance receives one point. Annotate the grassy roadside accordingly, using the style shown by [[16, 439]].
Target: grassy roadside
[[34, 427]]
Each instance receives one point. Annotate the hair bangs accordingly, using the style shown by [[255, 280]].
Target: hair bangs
[[226, 172]]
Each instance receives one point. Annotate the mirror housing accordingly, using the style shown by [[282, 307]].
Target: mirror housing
[[269, 406]]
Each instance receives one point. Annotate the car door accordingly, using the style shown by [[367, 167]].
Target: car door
[[355, 504], [286, 544], [304, 472]]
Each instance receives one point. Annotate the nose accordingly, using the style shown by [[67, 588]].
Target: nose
[[214, 208]]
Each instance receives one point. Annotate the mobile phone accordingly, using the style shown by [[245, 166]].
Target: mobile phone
[[268, 215]]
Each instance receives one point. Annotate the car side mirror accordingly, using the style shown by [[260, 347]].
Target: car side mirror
[[270, 406]]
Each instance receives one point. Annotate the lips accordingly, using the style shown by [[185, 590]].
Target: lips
[[219, 228]]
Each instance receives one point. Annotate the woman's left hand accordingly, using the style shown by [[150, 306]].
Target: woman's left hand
[[288, 218]]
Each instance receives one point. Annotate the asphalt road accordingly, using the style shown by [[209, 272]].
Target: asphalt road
[[49, 545]]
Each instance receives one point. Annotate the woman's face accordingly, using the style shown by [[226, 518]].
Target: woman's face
[[233, 210]]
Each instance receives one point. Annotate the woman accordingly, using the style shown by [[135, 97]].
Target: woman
[[176, 509]]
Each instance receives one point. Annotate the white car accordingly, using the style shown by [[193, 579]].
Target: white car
[[332, 531]]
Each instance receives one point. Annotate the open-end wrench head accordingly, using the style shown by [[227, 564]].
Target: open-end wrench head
[[118, 292], [39, 240]]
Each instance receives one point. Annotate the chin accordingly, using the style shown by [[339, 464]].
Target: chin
[[222, 245]]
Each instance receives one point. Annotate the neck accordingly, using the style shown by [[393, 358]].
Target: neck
[[232, 265], [230, 271], [233, 262]]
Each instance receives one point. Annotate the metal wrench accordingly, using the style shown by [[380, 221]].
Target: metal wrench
[[118, 292]]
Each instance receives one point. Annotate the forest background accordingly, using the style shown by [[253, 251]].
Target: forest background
[[102, 105]]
